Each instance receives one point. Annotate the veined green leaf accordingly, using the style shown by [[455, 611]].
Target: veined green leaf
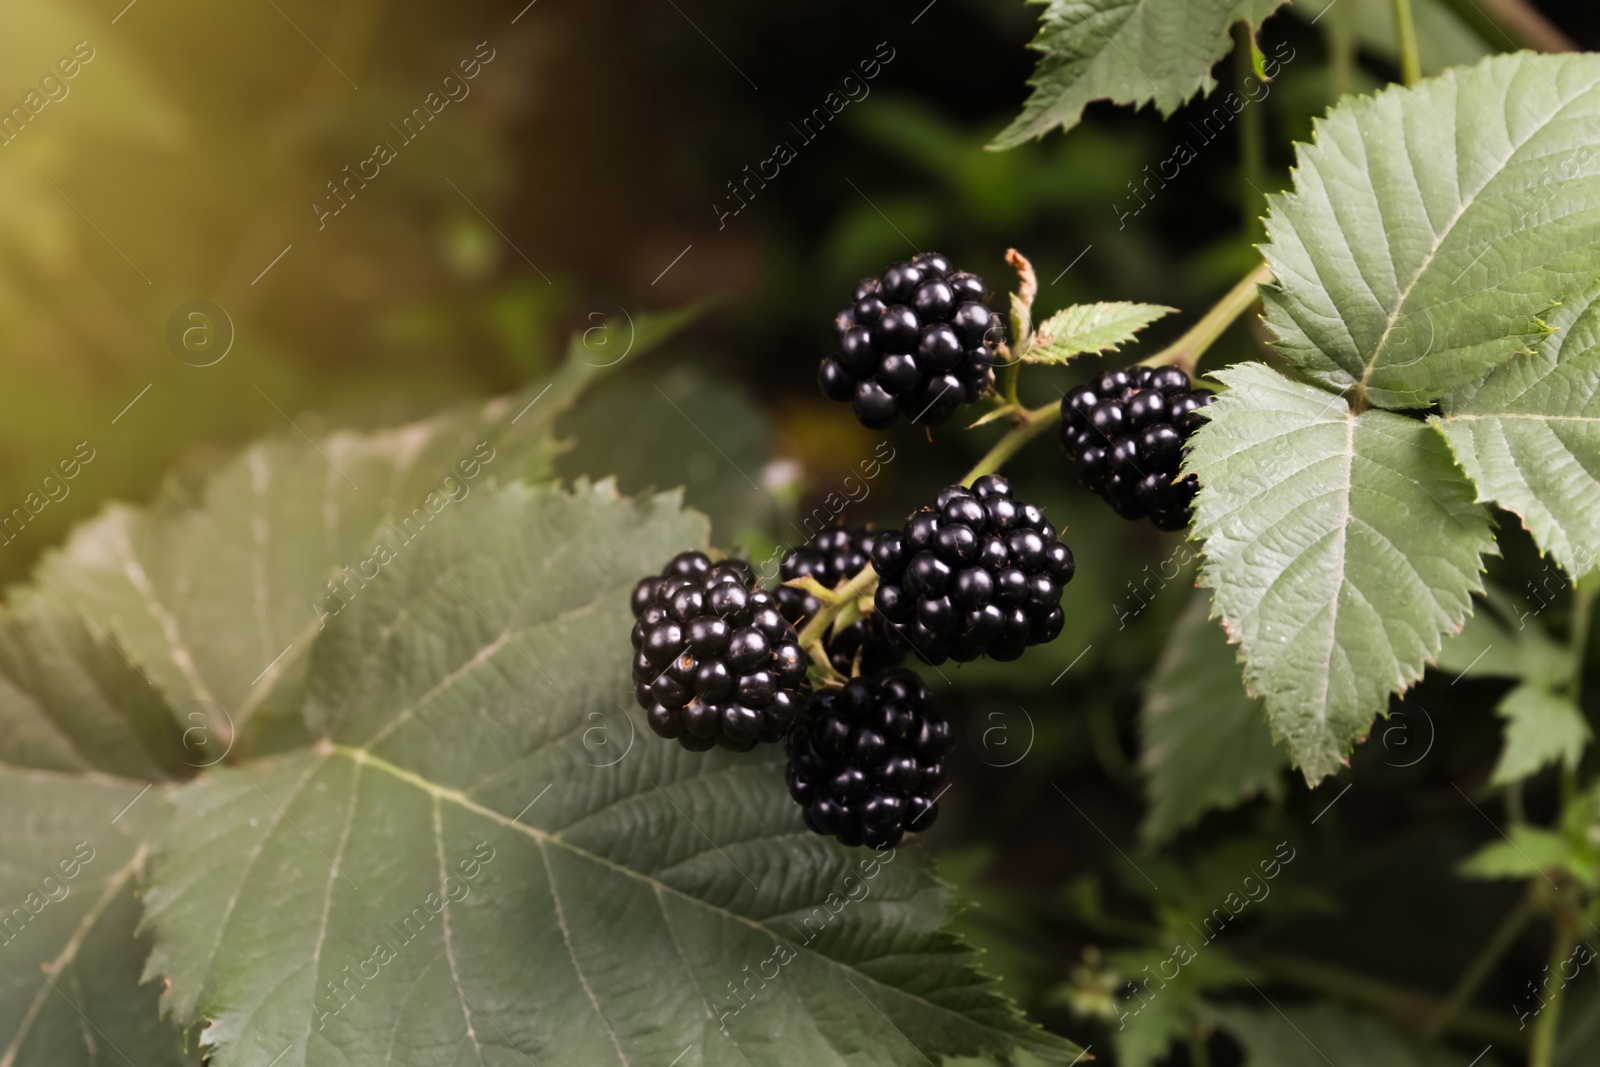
[[1131, 51], [1430, 228], [74, 847], [1529, 438], [486, 855], [1206, 741], [1090, 328], [218, 604], [1342, 547]]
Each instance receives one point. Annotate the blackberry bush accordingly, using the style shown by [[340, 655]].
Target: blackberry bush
[[831, 557], [919, 341], [865, 765], [714, 662], [1127, 435], [978, 573]]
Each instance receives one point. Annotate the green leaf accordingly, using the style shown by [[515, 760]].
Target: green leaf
[[1090, 328], [1319, 1034], [219, 604], [1541, 728], [87, 749], [1206, 741], [1529, 438], [1430, 228], [1525, 852], [74, 849], [1491, 646], [1130, 51], [487, 855], [679, 428], [1342, 547]]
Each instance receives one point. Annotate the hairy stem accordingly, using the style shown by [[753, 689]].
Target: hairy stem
[[1405, 29], [1482, 964], [1186, 350]]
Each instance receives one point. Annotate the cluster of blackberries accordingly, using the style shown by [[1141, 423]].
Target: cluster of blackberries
[[714, 663], [918, 342], [836, 555], [1126, 435], [976, 574], [865, 764]]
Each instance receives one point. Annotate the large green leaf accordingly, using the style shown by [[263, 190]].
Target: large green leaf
[[479, 861], [1342, 547], [87, 748], [1130, 51], [680, 428], [1429, 228], [218, 604], [1206, 741], [74, 847], [1529, 438]]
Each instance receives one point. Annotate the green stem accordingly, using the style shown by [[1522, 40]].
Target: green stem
[[1406, 31], [1340, 33], [1583, 598], [1482, 964], [1030, 424], [1199, 1055], [1541, 1051], [1252, 136], [1008, 381], [1186, 350]]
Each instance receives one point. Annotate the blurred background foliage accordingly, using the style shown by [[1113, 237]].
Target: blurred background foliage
[[582, 182]]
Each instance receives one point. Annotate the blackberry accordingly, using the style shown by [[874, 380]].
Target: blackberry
[[834, 555], [918, 342], [1126, 434], [977, 573], [714, 663], [865, 764]]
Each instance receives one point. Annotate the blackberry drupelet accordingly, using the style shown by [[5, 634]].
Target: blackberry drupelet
[[1127, 435], [833, 556], [918, 342], [866, 762], [714, 662], [977, 573]]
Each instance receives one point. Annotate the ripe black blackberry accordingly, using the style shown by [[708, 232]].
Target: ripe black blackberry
[[918, 342], [714, 663], [977, 573], [1127, 434], [865, 763], [831, 557]]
